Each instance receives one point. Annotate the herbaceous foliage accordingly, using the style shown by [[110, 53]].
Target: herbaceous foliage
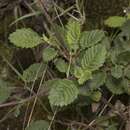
[[80, 58]]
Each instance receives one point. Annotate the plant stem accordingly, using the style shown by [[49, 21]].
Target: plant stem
[[35, 100], [13, 68]]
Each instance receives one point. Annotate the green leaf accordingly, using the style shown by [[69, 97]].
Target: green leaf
[[128, 16], [92, 95], [25, 38], [86, 75], [122, 41], [117, 71], [127, 72], [38, 125], [96, 96], [123, 58], [82, 75], [125, 27], [126, 85], [115, 85], [90, 38], [63, 92], [33, 72], [61, 65], [73, 35], [98, 80], [115, 21], [78, 71], [5, 91], [84, 90], [94, 57], [114, 52], [49, 54]]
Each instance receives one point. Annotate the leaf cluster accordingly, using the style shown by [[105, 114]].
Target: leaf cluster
[[85, 58]]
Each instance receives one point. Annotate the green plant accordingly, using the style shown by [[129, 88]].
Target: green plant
[[25, 38], [38, 125], [73, 78], [83, 62], [79, 56], [85, 57], [116, 21]]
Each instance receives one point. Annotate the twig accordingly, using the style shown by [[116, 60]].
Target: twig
[[13, 103], [106, 105], [35, 100]]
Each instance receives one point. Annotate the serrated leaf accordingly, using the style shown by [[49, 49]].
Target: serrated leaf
[[85, 76], [127, 72], [125, 27], [33, 72], [38, 125], [123, 58], [126, 85], [5, 91], [94, 57], [49, 54], [78, 72], [96, 96], [115, 85], [123, 37], [115, 21], [63, 92], [117, 71], [85, 91], [114, 52], [25, 38], [82, 75], [90, 38], [61, 65], [106, 41], [98, 80], [73, 35], [92, 95], [122, 42]]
